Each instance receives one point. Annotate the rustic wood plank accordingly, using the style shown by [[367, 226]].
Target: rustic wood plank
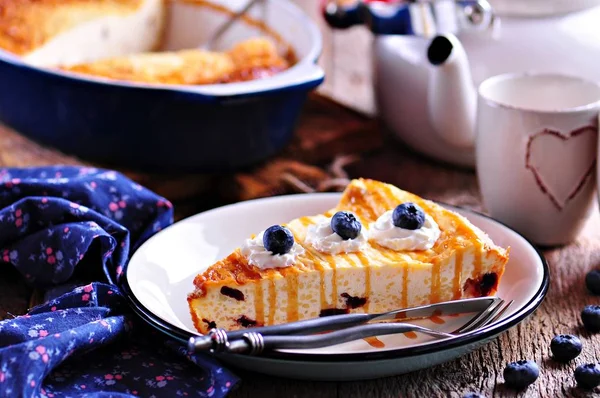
[[257, 385]]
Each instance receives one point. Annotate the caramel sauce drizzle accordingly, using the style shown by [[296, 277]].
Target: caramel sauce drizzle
[[292, 291], [436, 275], [334, 293], [272, 301], [411, 335], [404, 299], [365, 262], [259, 303], [435, 318], [374, 342], [355, 196], [457, 276], [319, 267], [477, 266]]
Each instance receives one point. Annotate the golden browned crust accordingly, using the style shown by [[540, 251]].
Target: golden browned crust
[[251, 59], [368, 199], [28, 24]]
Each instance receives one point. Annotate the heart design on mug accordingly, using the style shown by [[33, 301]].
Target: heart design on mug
[[561, 181]]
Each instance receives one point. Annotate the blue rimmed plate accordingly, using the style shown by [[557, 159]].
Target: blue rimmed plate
[[160, 274]]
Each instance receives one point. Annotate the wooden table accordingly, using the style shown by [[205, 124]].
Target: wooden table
[[347, 63], [479, 371]]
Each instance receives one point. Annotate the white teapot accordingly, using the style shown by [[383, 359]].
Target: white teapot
[[429, 62]]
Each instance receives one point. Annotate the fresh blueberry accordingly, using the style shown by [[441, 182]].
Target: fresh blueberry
[[473, 395], [565, 347], [345, 225], [592, 281], [278, 239], [588, 375], [520, 374], [590, 316], [408, 216]]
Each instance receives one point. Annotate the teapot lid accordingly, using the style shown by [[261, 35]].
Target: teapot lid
[[540, 8]]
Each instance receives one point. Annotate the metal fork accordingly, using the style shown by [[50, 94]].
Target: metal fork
[[255, 342]]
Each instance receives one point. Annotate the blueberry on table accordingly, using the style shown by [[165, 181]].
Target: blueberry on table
[[520, 374], [345, 225], [565, 347], [278, 239], [408, 216], [590, 316], [588, 376], [592, 281]]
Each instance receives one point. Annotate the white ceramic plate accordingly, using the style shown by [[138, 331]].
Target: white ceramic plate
[[160, 274]]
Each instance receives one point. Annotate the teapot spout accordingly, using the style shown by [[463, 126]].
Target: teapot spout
[[452, 98]]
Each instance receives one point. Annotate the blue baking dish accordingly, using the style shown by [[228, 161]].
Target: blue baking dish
[[170, 128]]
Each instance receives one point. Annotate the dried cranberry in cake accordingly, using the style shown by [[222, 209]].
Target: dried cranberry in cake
[[245, 322], [209, 324], [233, 293], [333, 311], [354, 301], [483, 286]]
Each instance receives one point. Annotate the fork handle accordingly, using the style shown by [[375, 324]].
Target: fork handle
[[313, 325], [254, 343]]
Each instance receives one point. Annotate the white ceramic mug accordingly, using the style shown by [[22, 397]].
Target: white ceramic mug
[[536, 153]]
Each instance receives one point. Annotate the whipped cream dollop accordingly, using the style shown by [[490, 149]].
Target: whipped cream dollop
[[323, 239], [256, 253], [384, 232]]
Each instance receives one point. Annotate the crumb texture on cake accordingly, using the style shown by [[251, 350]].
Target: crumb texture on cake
[[248, 60], [464, 262], [27, 24]]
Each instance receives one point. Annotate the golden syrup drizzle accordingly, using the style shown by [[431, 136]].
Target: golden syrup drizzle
[[272, 301], [436, 274], [404, 299], [349, 259], [379, 202], [370, 207], [358, 203], [365, 263], [259, 303], [388, 197], [435, 318], [334, 294], [306, 221], [410, 335], [319, 267], [477, 261], [457, 290], [374, 342], [292, 291]]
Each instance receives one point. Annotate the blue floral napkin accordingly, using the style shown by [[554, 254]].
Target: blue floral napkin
[[63, 224]]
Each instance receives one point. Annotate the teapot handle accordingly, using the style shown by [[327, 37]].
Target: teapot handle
[[423, 18]]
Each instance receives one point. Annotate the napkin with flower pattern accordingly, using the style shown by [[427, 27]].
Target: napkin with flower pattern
[[65, 223]]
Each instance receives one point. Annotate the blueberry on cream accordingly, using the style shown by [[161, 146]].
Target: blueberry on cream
[[274, 247], [278, 240], [406, 227], [345, 225], [408, 216], [342, 233]]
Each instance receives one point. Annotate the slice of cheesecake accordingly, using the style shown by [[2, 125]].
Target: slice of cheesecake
[[65, 32], [248, 60], [442, 257]]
